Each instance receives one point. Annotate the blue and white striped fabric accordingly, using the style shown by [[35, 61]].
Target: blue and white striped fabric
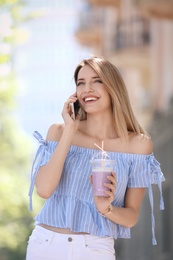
[[72, 206]]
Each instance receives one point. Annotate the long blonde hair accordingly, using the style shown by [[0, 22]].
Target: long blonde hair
[[124, 119]]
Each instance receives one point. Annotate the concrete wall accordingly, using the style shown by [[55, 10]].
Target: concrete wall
[[140, 246]]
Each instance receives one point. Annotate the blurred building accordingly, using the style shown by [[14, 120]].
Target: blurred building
[[137, 36]]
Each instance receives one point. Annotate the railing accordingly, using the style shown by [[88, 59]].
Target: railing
[[115, 3], [132, 33], [162, 9]]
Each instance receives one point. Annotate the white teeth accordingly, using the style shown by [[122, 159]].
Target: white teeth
[[90, 99]]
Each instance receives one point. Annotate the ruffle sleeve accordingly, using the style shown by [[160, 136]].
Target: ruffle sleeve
[[42, 156], [144, 172]]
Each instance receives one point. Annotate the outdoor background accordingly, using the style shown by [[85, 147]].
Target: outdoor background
[[41, 42]]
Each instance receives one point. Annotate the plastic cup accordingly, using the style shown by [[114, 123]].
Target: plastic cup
[[101, 168]]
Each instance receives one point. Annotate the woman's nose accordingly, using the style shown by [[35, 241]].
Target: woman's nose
[[88, 88], [88, 91]]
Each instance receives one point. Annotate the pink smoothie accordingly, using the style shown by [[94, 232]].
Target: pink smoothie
[[98, 179]]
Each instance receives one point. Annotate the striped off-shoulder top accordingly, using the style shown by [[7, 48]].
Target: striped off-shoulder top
[[72, 205]]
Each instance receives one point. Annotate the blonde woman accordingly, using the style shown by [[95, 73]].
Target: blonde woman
[[74, 224]]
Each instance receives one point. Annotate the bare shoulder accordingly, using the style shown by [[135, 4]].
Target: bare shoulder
[[55, 132], [140, 144]]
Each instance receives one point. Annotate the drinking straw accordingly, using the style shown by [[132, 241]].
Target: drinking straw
[[101, 148]]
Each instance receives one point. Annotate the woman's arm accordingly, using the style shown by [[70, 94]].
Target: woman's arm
[[126, 216], [49, 175]]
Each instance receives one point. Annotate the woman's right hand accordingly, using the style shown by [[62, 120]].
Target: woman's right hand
[[67, 112]]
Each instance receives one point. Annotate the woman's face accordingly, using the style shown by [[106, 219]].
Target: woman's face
[[91, 92]]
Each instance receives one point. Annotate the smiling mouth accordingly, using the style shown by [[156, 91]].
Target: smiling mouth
[[88, 99]]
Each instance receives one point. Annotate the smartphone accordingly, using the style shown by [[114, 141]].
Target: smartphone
[[75, 109]]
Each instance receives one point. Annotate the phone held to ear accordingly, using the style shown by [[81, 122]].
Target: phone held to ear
[[75, 109]]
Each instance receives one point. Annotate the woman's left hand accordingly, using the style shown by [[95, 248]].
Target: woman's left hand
[[103, 203]]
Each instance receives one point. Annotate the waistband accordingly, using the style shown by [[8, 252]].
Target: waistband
[[71, 237]]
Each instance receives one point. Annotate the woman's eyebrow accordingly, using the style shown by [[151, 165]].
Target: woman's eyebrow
[[95, 77], [80, 79]]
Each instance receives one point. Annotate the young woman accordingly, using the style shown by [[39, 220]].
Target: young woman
[[74, 224]]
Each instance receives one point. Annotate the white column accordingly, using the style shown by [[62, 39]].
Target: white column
[[162, 63]]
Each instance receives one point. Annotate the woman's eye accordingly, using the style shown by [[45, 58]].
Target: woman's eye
[[98, 81], [79, 83]]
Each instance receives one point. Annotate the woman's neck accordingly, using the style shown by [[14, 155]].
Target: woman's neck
[[99, 127]]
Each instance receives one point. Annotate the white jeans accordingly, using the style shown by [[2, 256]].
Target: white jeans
[[44, 244]]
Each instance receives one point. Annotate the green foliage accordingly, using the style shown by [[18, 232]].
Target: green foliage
[[4, 58], [15, 157], [16, 222]]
